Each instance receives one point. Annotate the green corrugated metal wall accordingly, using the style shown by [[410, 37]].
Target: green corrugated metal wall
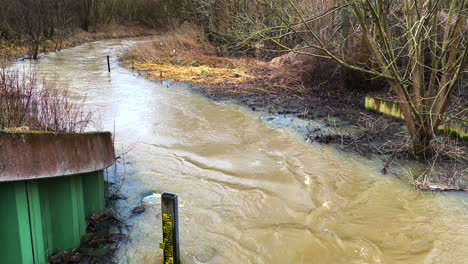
[[39, 217]]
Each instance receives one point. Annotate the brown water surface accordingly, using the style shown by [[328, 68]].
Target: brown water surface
[[250, 192]]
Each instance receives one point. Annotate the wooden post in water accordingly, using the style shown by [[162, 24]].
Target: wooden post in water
[[108, 63], [170, 224], [176, 58]]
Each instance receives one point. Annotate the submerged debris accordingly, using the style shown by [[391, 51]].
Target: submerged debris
[[138, 210], [116, 197], [443, 179], [439, 187], [148, 200]]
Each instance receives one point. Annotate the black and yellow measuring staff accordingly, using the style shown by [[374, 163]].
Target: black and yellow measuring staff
[[170, 226]]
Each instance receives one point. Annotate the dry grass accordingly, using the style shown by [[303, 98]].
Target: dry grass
[[197, 63], [187, 40], [193, 60], [196, 74], [9, 51], [109, 32]]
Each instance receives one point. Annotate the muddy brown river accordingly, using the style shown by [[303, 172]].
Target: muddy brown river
[[250, 192]]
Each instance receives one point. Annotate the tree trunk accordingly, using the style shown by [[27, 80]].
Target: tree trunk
[[88, 9], [419, 128], [422, 143], [85, 25], [35, 50]]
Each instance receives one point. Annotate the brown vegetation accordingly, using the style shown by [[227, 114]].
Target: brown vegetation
[[195, 61], [183, 55], [28, 104], [27, 26], [20, 48]]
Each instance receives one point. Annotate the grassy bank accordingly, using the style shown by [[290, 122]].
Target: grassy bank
[[183, 55], [309, 88]]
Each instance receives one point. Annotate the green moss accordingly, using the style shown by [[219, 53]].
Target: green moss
[[380, 105], [456, 133], [24, 131], [459, 118], [48, 132], [456, 126]]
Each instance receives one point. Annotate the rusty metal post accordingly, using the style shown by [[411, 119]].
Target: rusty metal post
[[170, 227]]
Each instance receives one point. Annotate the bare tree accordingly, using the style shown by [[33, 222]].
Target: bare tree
[[34, 22], [418, 46]]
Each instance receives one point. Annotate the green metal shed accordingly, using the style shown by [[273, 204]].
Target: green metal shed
[[49, 184]]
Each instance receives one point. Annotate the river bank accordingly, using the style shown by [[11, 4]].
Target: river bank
[[307, 88], [247, 188], [14, 49]]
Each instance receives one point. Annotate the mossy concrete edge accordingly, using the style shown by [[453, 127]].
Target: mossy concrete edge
[[454, 125], [35, 155]]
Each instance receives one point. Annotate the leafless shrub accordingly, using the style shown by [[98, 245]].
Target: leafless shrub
[[26, 102], [187, 40]]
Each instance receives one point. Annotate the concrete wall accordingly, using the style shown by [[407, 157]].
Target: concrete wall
[[454, 125], [45, 212], [34, 155]]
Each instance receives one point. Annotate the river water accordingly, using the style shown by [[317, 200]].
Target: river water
[[250, 192]]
